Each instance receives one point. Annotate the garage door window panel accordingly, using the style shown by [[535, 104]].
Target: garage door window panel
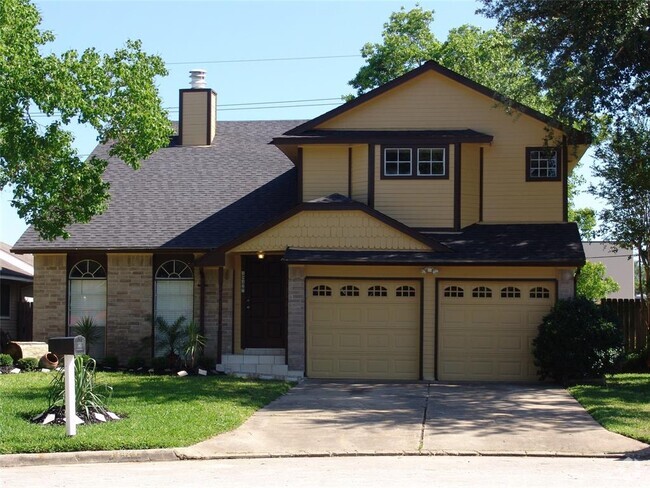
[[405, 291], [322, 291], [377, 291], [540, 292], [482, 292], [510, 292], [349, 291], [454, 292]]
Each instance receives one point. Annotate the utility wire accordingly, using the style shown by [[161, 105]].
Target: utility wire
[[261, 60]]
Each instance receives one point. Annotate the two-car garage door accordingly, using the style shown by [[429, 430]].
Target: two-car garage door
[[366, 329]]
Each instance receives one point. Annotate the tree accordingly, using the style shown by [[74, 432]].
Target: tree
[[115, 94], [585, 217], [593, 283], [592, 57], [486, 57]]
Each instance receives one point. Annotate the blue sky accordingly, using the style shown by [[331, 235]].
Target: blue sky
[[225, 37]]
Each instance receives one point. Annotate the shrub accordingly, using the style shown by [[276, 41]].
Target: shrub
[[577, 340], [135, 363], [89, 397], [160, 364], [87, 328], [27, 364], [6, 360], [110, 362], [206, 362], [635, 362]]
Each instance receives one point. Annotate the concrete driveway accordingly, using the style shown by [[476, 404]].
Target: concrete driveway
[[338, 418]]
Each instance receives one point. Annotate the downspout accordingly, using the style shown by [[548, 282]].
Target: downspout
[[220, 318], [202, 302]]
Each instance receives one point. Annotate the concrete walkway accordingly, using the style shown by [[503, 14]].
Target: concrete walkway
[[321, 418], [345, 418]]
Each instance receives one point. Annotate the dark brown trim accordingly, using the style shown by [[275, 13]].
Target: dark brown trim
[[202, 286], [481, 184], [579, 136], [436, 367], [434, 229], [410, 137], [234, 309], [304, 313], [457, 186], [180, 121], [371, 175], [349, 172], [300, 170], [501, 264], [108, 250], [220, 317], [414, 163], [560, 162], [565, 180], [370, 278], [208, 139]]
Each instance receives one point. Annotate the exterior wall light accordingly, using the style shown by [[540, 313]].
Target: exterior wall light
[[260, 254], [430, 270]]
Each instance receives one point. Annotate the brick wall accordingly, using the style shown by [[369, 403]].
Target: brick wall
[[296, 319], [129, 305], [49, 296]]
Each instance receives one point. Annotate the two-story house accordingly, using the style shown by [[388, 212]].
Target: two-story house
[[417, 232]]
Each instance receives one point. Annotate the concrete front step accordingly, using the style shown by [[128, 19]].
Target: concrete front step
[[264, 366]]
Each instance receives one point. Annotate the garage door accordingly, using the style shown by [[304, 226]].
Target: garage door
[[486, 328], [363, 329]]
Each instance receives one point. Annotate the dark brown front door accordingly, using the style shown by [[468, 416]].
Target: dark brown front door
[[264, 288]]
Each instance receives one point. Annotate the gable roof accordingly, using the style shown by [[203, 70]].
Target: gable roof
[[578, 136], [188, 197]]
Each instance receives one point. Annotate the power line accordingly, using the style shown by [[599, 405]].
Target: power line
[[262, 60]]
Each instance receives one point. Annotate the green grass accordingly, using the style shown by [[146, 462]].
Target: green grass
[[622, 406], [162, 411]]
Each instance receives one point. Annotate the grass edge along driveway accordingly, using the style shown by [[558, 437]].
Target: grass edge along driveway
[[621, 406], [160, 411]]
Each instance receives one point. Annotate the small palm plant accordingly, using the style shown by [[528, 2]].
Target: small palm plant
[[87, 327], [195, 344], [171, 337]]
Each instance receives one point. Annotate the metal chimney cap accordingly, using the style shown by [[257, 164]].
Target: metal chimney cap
[[197, 78]]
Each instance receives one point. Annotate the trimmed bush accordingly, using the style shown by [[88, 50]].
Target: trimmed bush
[[160, 364], [135, 363], [577, 340], [635, 362], [206, 362], [27, 364], [110, 362], [6, 360]]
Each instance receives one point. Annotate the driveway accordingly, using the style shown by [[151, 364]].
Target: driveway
[[338, 418]]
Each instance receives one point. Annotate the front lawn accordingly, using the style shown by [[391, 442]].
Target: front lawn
[[622, 406], [161, 411]]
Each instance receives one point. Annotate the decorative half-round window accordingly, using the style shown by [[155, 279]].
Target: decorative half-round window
[[174, 270], [405, 291], [510, 292], [540, 292], [88, 269], [377, 291], [454, 292], [482, 292], [349, 291], [321, 291]]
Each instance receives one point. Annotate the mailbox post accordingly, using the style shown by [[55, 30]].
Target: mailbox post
[[69, 347]]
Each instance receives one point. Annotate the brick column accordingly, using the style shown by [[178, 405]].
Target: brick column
[[296, 319], [566, 286], [50, 295], [129, 305], [211, 309], [227, 313]]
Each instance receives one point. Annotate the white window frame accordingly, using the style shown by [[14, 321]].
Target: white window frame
[[431, 162], [398, 162]]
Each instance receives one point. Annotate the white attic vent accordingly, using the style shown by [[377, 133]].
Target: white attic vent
[[197, 78]]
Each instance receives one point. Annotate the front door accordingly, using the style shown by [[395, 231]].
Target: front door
[[264, 287]]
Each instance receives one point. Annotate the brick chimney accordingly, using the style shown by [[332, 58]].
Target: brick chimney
[[198, 117]]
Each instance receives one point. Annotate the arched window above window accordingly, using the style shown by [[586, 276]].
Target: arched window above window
[[405, 291], [540, 292], [88, 269], [321, 291], [174, 270], [454, 292], [482, 292], [377, 291], [349, 291], [510, 292]]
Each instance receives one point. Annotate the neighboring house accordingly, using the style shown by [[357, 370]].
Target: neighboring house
[[418, 231], [16, 292], [618, 262]]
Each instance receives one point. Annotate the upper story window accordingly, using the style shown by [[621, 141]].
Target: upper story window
[[543, 164], [415, 162]]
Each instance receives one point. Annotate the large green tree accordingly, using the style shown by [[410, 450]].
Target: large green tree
[[485, 56], [591, 56], [116, 94], [593, 282]]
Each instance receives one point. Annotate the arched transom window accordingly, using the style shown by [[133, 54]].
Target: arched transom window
[[87, 301], [174, 270]]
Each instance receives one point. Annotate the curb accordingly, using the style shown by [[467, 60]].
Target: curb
[[186, 454]]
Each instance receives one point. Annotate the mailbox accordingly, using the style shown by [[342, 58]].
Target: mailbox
[[61, 346]]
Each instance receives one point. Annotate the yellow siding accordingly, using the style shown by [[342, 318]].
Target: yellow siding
[[416, 203], [324, 171], [195, 116], [432, 101], [360, 174], [315, 229], [470, 185]]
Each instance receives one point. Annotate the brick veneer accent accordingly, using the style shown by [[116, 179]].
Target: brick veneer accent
[[129, 305], [566, 285], [49, 296], [211, 308], [296, 319], [228, 304]]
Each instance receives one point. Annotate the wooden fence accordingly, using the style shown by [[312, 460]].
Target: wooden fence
[[630, 313]]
